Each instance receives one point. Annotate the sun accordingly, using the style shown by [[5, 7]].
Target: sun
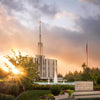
[[10, 67], [15, 71]]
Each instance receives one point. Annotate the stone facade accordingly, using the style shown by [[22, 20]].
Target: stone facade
[[84, 89], [46, 67], [83, 86]]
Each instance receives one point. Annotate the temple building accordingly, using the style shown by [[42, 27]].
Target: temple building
[[47, 67]]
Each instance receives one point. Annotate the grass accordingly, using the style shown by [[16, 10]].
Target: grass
[[33, 94]]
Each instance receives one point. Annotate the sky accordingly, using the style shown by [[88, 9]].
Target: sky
[[67, 25]]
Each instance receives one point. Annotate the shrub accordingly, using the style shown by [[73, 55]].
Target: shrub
[[10, 88], [47, 97], [13, 90], [98, 81], [40, 87], [97, 87], [67, 87], [47, 87], [6, 97], [55, 89], [70, 92], [61, 92]]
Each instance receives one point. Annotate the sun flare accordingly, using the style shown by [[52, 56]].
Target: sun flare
[[15, 71], [10, 67]]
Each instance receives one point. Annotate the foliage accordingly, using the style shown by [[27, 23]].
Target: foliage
[[47, 87], [13, 90], [67, 87], [6, 97], [62, 92], [25, 64], [33, 94], [66, 91], [71, 77], [47, 97], [70, 92], [10, 88], [40, 87], [60, 75], [96, 88], [55, 89], [3, 74], [88, 74]]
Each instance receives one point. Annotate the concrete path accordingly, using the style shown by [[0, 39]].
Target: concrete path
[[63, 97], [67, 99]]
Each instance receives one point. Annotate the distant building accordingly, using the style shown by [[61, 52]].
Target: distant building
[[60, 79], [46, 66]]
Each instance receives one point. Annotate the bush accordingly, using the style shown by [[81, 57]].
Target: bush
[[67, 87], [47, 97], [13, 90], [97, 87], [55, 89], [10, 88], [98, 81], [61, 92], [6, 97], [40, 87], [70, 92], [47, 87]]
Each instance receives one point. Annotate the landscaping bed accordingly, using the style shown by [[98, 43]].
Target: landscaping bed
[[36, 92]]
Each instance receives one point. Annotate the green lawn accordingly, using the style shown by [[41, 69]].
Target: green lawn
[[32, 95]]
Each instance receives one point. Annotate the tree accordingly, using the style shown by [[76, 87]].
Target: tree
[[27, 66], [3, 74], [69, 77], [83, 66], [77, 75], [60, 75]]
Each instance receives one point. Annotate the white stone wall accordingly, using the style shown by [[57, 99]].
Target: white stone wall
[[47, 67], [83, 85]]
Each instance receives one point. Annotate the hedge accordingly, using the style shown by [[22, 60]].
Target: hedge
[[6, 97], [97, 87], [47, 87]]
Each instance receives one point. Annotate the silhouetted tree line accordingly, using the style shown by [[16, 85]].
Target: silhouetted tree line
[[88, 74]]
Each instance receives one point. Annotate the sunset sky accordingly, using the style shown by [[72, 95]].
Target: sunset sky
[[66, 27]]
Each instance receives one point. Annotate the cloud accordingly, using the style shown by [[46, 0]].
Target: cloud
[[66, 45], [90, 26], [97, 2], [45, 9], [34, 3], [64, 14], [26, 10], [12, 34], [70, 46], [48, 9], [16, 5], [58, 42]]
